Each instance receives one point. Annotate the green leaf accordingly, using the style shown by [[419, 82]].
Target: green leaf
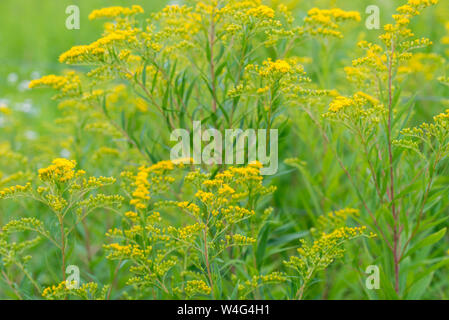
[[261, 246], [144, 74], [419, 287], [427, 241]]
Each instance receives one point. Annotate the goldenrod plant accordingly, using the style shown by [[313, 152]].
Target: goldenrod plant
[[93, 204]]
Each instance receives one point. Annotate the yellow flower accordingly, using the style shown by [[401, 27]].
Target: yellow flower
[[261, 12], [5, 110], [197, 287], [7, 192], [131, 214], [60, 170], [367, 97], [270, 67], [141, 105], [56, 82], [77, 53], [112, 12], [324, 22], [339, 103]]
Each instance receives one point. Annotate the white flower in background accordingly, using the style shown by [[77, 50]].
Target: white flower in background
[[4, 101], [23, 85], [35, 75], [12, 78], [31, 135], [26, 106], [65, 153]]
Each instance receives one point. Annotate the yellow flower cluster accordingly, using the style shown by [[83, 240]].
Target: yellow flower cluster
[[187, 232], [250, 172], [324, 22], [87, 291], [340, 103], [155, 177], [141, 195], [274, 68], [161, 266], [220, 205], [434, 135], [96, 51], [272, 76], [14, 190], [205, 197], [335, 219], [82, 53], [131, 214], [374, 57], [259, 280], [68, 85], [57, 203], [367, 97], [355, 105], [281, 66], [422, 64], [99, 200], [273, 277], [55, 290], [53, 81], [24, 224], [95, 182], [141, 105], [162, 166], [240, 240], [234, 214], [194, 287], [190, 207], [4, 109], [444, 116], [402, 20], [125, 251], [323, 251], [61, 170], [176, 28], [226, 187], [113, 12], [261, 11], [350, 110]]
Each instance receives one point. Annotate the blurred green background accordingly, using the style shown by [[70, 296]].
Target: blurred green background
[[33, 34]]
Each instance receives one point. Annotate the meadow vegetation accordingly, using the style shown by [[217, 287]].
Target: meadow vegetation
[[87, 182]]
